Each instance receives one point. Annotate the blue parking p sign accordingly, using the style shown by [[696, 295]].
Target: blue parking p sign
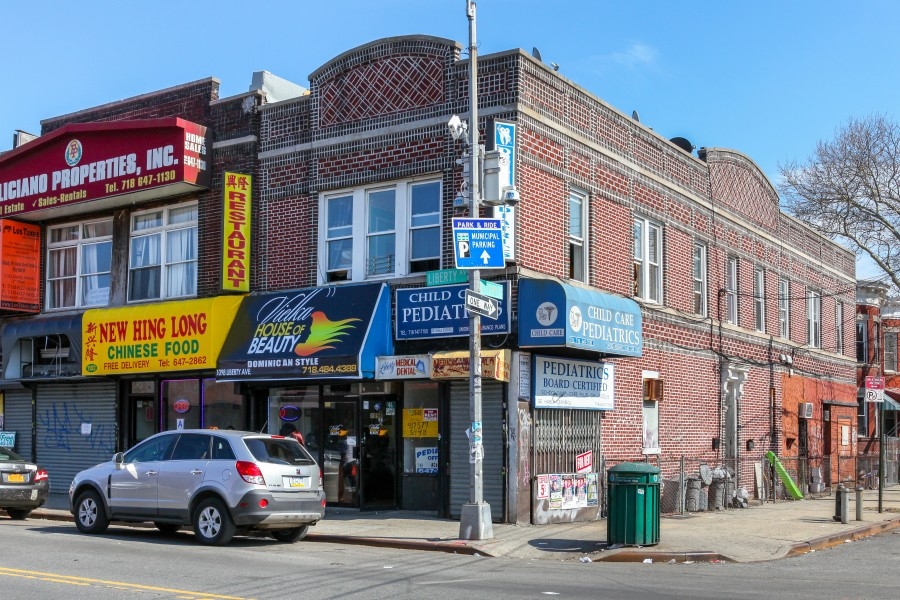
[[478, 243]]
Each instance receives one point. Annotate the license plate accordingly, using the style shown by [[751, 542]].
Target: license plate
[[297, 482], [16, 478]]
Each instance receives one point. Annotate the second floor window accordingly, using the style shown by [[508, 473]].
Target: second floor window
[[839, 327], [759, 298], [784, 308], [577, 246], [814, 319], [699, 276], [890, 351], [162, 258], [731, 290], [79, 260], [862, 342], [647, 260]]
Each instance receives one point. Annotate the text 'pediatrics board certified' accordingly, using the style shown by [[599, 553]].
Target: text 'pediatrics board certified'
[[478, 243]]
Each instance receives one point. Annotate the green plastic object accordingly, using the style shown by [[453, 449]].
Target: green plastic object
[[789, 484], [633, 504]]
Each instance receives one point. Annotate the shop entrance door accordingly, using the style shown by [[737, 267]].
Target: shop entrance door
[[379, 452], [340, 453]]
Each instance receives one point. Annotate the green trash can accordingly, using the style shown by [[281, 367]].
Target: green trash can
[[633, 504]]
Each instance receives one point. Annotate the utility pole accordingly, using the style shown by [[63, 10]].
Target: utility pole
[[475, 519]]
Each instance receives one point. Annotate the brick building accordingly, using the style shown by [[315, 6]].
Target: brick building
[[656, 304]]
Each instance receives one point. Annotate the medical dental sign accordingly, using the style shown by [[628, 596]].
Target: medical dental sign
[[478, 243], [83, 162], [236, 233], [505, 143]]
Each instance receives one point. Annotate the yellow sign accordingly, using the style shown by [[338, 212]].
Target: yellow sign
[[453, 365], [170, 336], [236, 232], [420, 423]]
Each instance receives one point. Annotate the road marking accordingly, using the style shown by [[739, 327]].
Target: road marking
[[88, 581]]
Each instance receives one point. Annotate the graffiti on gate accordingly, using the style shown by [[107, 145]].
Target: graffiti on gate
[[62, 423]]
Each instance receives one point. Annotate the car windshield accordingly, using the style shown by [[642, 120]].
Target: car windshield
[[282, 451], [8, 455]]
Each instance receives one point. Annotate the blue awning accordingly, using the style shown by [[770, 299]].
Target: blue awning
[[891, 400], [315, 333], [556, 314]]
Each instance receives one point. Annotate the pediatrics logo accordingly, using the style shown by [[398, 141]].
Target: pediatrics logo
[[74, 151]]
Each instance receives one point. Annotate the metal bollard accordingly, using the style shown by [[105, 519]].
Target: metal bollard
[[859, 502], [838, 494]]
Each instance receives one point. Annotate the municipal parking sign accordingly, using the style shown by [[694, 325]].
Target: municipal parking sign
[[478, 243]]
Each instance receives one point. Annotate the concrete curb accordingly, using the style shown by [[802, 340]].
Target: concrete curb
[[460, 547], [635, 556], [829, 541]]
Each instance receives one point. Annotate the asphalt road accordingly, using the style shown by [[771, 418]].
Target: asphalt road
[[46, 559]]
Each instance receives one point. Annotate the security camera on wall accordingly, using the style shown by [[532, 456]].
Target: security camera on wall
[[510, 195], [458, 128]]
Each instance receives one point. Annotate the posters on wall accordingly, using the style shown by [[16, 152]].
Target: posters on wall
[[568, 490]]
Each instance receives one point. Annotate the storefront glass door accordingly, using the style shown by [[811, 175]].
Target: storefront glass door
[[379, 452]]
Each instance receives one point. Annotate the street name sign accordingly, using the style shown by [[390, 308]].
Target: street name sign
[[489, 288], [478, 243], [445, 277], [482, 305]]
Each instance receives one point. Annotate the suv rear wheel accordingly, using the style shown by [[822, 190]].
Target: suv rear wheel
[[212, 523], [289, 536], [90, 516]]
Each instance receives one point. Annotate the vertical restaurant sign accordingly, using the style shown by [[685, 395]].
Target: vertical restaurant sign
[[505, 143], [20, 262], [169, 336], [236, 232], [84, 162]]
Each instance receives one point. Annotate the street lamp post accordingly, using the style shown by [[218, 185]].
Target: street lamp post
[[475, 519]]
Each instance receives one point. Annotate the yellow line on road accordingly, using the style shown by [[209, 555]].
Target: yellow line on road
[[73, 580]]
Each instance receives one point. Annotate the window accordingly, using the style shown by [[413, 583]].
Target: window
[[163, 258], [79, 259], [577, 245], [839, 327], [731, 290], [647, 260], [862, 417], [700, 279], [814, 319], [759, 298], [862, 342], [784, 308], [400, 226], [890, 351]]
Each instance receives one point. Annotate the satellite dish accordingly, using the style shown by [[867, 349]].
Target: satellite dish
[[536, 53], [683, 143], [635, 116]]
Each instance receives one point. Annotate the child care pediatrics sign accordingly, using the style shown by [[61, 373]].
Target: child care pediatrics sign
[[566, 383], [169, 336]]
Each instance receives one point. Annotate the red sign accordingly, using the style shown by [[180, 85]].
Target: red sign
[[84, 162], [181, 406], [20, 261], [874, 383], [584, 463]]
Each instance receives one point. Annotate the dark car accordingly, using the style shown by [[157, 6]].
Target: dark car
[[23, 485]]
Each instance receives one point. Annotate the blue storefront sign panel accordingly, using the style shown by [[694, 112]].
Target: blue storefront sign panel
[[323, 332], [440, 312], [478, 243], [555, 314]]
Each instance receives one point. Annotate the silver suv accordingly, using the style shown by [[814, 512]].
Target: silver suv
[[221, 482]]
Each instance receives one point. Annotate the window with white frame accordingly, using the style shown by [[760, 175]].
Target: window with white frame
[[162, 261], [784, 308], [839, 327], [577, 245], [890, 351], [647, 260], [759, 298], [400, 225], [814, 319], [731, 290], [862, 417], [699, 276], [862, 342], [79, 259]]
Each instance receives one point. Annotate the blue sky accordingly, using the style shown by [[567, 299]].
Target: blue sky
[[769, 79]]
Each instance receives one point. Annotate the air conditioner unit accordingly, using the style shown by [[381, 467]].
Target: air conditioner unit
[[806, 410], [653, 390], [370, 388]]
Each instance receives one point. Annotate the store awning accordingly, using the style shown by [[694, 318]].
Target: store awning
[[53, 347], [892, 399], [315, 333], [556, 314]]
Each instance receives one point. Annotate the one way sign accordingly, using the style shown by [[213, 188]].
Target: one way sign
[[478, 243], [482, 305]]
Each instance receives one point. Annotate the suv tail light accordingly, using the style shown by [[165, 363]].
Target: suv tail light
[[321, 485], [41, 475], [249, 472]]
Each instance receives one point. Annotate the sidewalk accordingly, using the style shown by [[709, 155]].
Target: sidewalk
[[765, 532]]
